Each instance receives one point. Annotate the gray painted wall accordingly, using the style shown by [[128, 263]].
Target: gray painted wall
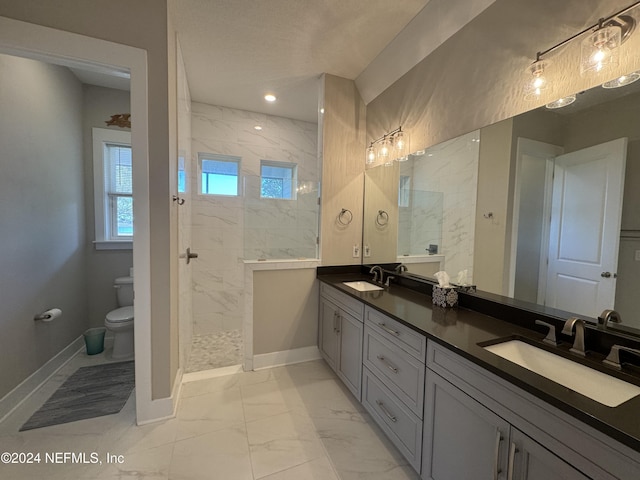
[[103, 266], [42, 222]]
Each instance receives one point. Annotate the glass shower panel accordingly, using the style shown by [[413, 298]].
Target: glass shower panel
[[277, 229], [420, 222]]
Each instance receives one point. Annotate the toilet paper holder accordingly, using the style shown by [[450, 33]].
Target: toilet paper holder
[[47, 315]]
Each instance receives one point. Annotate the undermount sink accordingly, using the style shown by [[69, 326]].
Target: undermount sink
[[598, 386], [362, 286]]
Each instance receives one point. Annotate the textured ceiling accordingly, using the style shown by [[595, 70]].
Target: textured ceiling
[[235, 51]]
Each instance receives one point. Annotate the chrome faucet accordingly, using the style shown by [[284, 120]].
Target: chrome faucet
[[608, 316], [375, 269], [401, 268], [578, 344], [613, 359]]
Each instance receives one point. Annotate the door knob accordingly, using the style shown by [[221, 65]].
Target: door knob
[[190, 255], [605, 274]]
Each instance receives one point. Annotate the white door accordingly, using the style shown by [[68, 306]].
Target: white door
[[585, 228]]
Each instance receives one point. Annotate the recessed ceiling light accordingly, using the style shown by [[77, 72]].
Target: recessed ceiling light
[[270, 98], [322, 110], [258, 127]]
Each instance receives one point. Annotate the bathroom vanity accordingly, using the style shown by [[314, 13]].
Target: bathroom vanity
[[457, 410]]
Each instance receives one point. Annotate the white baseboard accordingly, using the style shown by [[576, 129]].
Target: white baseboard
[[286, 357], [162, 408], [33, 382], [213, 373]]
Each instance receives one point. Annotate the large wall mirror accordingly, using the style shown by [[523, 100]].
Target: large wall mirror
[[573, 226]]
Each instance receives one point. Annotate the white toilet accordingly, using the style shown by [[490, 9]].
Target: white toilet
[[120, 320]]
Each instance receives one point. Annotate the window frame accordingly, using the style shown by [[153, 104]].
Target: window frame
[[219, 158], [283, 165], [103, 202]]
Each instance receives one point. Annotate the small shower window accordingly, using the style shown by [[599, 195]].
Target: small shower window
[[278, 180], [219, 175]]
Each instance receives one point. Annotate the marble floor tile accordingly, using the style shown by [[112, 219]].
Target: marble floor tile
[[221, 455], [294, 422], [282, 441], [209, 412], [359, 450], [318, 469], [270, 398]]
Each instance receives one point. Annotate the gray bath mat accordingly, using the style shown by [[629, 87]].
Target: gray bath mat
[[90, 392]]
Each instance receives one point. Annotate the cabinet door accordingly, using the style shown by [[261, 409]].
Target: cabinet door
[[463, 440], [350, 357], [528, 460], [328, 332]]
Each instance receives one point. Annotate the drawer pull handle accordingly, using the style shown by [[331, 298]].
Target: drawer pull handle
[[387, 364], [386, 412], [388, 330], [496, 461]]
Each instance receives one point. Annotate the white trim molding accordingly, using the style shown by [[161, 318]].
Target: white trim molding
[[286, 357], [21, 393]]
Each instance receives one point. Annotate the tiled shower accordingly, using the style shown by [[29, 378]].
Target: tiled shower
[[227, 230]]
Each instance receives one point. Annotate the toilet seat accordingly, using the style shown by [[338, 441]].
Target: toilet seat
[[120, 315]]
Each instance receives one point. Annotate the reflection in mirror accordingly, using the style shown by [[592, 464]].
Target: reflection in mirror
[[576, 223], [573, 234], [434, 195]]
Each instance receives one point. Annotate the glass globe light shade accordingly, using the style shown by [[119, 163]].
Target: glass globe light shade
[[537, 82], [384, 150], [622, 81], [599, 51], [371, 155]]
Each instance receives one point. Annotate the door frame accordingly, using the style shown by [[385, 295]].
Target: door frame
[[545, 152], [50, 45]]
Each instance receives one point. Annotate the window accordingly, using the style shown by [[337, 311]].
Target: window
[[113, 188], [277, 180], [219, 174], [182, 176]]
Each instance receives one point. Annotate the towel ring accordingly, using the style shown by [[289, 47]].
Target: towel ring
[[382, 218], [345, 217]]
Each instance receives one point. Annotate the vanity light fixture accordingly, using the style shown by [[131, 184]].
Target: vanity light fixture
[[599, 50], [622, 81], [538, 82], [561, 102], [393, 145]]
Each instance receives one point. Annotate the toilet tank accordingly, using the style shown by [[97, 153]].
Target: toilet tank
[[124, 291]]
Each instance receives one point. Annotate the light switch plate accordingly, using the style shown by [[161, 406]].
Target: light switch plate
[[637, 258]]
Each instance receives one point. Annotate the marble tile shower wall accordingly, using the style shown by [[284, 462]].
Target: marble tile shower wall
[[420, 224], [453, 170], [222, 225]]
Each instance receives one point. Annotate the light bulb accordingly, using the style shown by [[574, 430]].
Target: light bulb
[[371, 155], [384, 151], [537, 83], [599, 51]]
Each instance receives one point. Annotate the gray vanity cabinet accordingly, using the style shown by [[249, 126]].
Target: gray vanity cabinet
[[531, 461], [462, 439], [340, 336], [465, 440]]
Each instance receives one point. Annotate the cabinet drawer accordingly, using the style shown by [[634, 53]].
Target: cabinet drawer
[[399, 370], [409, 340], [402, 427], [344, 301]]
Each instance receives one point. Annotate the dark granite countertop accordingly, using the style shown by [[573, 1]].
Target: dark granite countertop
[[461, 330]]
